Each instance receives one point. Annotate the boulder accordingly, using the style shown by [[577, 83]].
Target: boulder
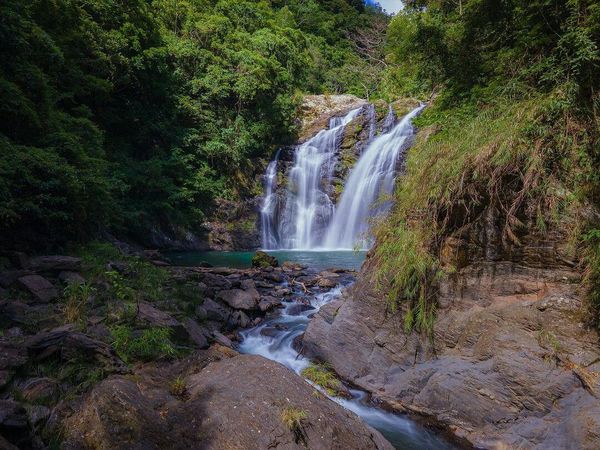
[[262, 259], [41, 289], [54, 263], [297, 309], [219, 412], [200, 313], [155, 317], [268, 302], [509, 366], [37, 414], [215, 311], [239, 299], [196, 332]]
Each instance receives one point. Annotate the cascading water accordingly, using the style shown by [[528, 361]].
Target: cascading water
[[373, 175], [308, 208], [268, 210]]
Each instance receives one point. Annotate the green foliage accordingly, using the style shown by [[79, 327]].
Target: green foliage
[[139, 114], [513, 128], [322, 375], [151, 344], [76, 297]]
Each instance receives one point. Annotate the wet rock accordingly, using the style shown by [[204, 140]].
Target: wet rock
[[68, 277], [262, 259], [15, 312], [219, 412], [196, 333], [54, 263], [41, 289], [327, 283], [239, 299], [297, 309], [282, 292], [268, 302]]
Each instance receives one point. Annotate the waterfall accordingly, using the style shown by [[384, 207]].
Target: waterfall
[[308, 208], [373, 175], [269, 207]]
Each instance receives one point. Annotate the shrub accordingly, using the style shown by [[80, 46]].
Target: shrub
[[76, 296], [152, 344], [323, 376]]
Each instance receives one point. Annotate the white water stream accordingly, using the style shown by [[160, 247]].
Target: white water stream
[[277, 345]]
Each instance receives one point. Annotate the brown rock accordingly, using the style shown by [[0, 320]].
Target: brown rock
[[218, 413]]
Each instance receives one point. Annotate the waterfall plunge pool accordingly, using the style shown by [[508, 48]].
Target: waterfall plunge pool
[[315, 259]]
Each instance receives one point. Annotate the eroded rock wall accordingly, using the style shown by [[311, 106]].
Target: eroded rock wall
[[510, 365]]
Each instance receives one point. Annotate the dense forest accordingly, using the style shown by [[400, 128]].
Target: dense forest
[[126, 115]]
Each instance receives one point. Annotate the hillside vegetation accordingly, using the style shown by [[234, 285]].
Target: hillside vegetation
[[130, 115], [513, 127]]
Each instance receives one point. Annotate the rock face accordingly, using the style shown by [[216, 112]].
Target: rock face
[[510, 364], [235, 403]]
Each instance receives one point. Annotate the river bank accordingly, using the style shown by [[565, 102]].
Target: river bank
[[137, 370]]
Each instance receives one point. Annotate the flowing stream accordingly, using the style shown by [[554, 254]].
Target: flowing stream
[[274, 339]]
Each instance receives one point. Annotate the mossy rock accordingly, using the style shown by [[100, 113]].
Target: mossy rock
[[352, 131], [404, 105], [262, 259]]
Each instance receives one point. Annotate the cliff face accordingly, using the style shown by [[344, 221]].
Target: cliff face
[[510, 364]]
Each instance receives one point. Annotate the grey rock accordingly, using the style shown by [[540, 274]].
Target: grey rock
[[239, 299], [298, 308], [41, 289], [215, 311], [196, 332]]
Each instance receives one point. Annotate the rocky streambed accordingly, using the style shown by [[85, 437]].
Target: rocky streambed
[[72, 384]]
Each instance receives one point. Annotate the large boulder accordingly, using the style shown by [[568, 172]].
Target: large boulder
[[41, 289], [236, 403], [240, 299]]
